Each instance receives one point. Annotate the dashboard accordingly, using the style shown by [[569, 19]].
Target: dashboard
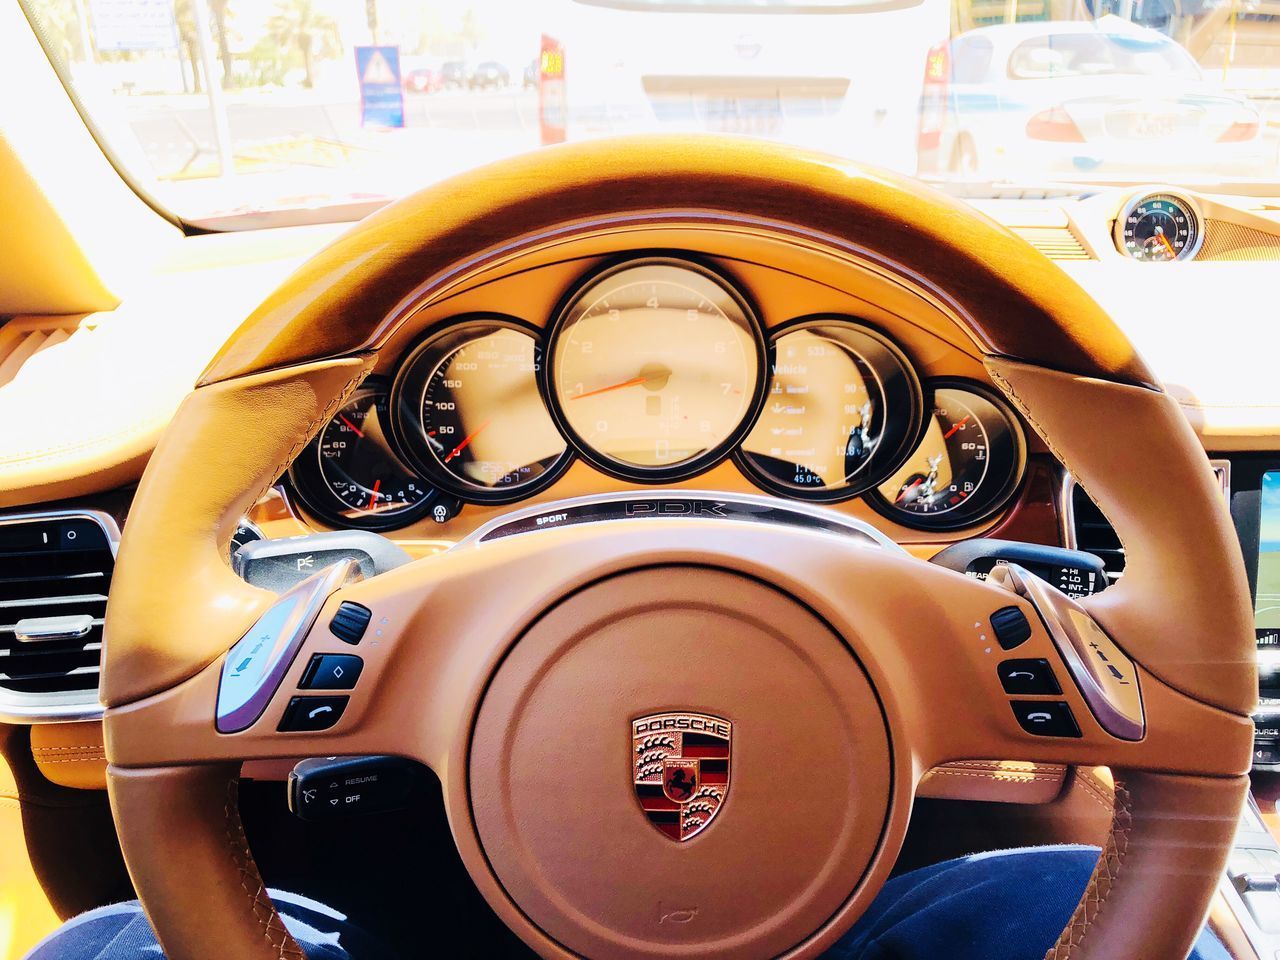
[[653, 368]]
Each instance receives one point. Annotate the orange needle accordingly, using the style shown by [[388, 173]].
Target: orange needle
[[633, 382], [359, 432], [373, 494], [463, 445], [954, 428], [908, 488], [1167, 245]]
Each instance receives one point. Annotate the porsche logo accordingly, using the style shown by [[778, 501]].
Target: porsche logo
[[680, 766]]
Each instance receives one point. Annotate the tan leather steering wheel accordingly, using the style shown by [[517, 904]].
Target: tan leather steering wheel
[[843, 664]]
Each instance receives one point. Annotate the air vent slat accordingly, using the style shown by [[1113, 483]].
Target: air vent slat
[[1094, 534], [54, 568]]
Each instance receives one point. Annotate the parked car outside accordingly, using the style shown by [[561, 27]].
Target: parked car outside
[[490, 75], [1066, 99], [455, 75]]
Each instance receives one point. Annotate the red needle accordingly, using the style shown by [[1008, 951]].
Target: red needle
[[909, 487], [463, 445], [373, 495], [359, 432], [633, 382], [958, 424]]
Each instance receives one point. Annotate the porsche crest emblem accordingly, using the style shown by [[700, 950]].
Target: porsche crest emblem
[[680, 766]]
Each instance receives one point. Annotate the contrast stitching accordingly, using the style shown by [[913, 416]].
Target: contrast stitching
[[1106, 875], [97, 759], [87, 746], [1005, 777], [251, 881], [314, 425]]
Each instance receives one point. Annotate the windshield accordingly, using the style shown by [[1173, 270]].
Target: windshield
[[236, 113]]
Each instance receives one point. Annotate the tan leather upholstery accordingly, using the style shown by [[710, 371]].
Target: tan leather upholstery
[[1159, 869], [348, 296], [71, 754], [228, 444], [1004, 781], [196, 808], [175, 607]]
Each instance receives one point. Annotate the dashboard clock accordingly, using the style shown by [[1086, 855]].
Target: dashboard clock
[[1159, 227]]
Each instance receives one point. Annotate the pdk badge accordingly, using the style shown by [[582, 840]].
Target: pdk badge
[[680, 765]]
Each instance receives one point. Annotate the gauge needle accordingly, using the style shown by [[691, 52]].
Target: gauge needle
[[359, 432], [373, 494], [633, 382], [465, 443], [907, 489], [954, 427], [1167, 245]]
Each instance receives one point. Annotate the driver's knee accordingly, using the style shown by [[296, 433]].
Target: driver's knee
[[121, 932]]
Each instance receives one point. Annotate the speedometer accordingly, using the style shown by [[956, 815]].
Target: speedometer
[[469, 414], [655, 369]]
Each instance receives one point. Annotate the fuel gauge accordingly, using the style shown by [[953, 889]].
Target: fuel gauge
[[966, 467]]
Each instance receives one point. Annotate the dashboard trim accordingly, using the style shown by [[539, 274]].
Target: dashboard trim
[[757, 508]]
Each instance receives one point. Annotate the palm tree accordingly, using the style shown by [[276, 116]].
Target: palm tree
[[220, 17], [296, 23]]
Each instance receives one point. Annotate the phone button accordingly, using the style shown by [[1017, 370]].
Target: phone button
[[1045, 718], [312, 713], [1027, 676]]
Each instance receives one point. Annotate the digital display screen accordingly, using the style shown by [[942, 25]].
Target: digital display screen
[[1267, 602]]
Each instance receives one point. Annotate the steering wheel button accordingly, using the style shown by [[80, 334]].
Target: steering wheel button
[[332, 671], [1011, 627], [350, 622], [312, 713], [1046, 718], [1027, 677]]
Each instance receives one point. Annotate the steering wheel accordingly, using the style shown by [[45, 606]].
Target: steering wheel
[[841, 668]]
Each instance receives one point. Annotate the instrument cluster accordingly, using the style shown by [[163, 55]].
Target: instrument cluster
[[652, 370]]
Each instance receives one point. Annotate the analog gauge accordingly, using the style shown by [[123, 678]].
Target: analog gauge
[[655, 369], [469, 413], [967, 465], [1159, 227], [843, 407], [349, 475]]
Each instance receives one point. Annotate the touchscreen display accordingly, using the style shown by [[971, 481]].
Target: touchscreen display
[[1267, 605]]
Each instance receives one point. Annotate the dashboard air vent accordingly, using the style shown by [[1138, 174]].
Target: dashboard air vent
[[55, 572], [1056, 243], [1086, 528], [1092, 532]]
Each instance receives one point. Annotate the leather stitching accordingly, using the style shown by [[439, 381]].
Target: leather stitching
[[313, 426], [1105, 876], [1011, 777], [272, 927]]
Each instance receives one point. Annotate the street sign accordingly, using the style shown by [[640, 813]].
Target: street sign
[[381, 96], [133, 25]]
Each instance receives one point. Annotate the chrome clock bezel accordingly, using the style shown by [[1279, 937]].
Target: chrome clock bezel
[[1136, 199]]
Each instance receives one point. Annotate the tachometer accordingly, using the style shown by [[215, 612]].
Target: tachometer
[[469, 413], [843, 406], [655, 369], [349, 475], [967, 465], [1159, 227]]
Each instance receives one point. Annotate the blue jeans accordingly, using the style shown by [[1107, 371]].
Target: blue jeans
[[1008, 905]]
